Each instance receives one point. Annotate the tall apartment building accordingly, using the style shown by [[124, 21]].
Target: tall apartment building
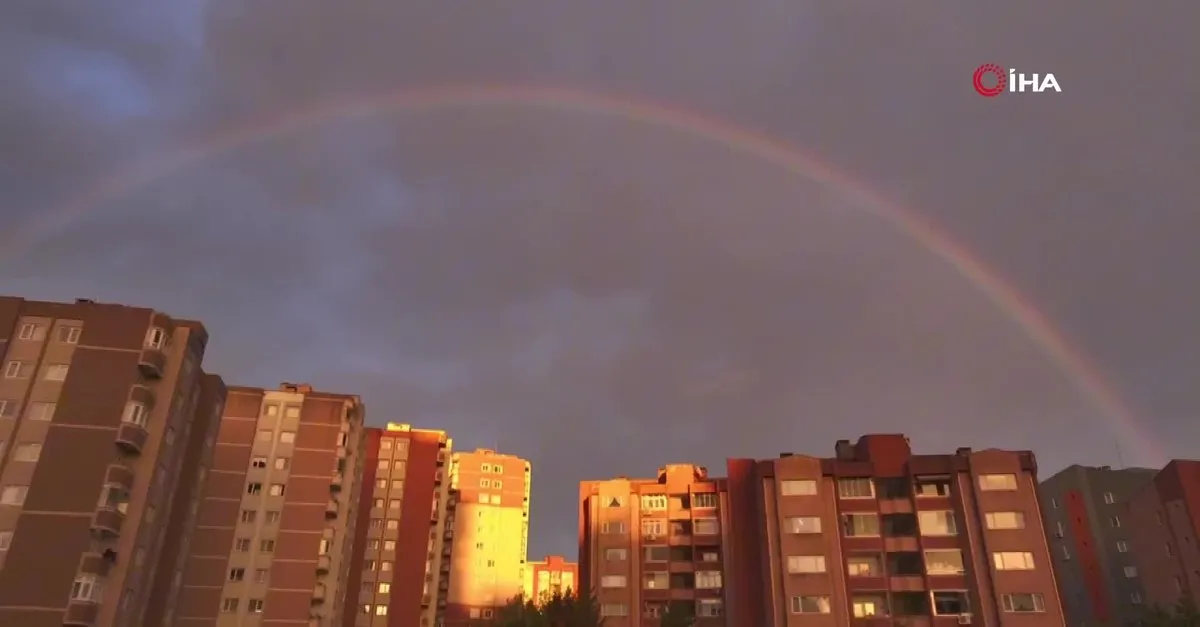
[[1164, 533], [874, 533], [272, 540], [491, 534], [551, 576], [1083, 511], [101, 408], [648, 543], [399, 577]]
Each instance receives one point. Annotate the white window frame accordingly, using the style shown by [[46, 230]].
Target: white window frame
[[156, 338]]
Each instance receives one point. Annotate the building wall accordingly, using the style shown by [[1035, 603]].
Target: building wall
[[273, 536], [553, 575], [647, 543], [89, 483], [400, 570], [1164, 533], [1086, 521], [491, 533]]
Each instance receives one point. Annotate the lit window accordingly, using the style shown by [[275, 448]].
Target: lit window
[[806, 564], [271, 410], [866, 606], [937, 523], [287, 437], [1013, 560], [385, 587], [485, 468], [856, 488], [265, 435], [704, 500], [797, 487], [496, 484], [292, 411], [56, 372], [13, 495], [1005, 520], [864, 566], [485, 483], [708, 579], [1021, 603], [944, 562], [393, 523], [281, 463], [40, 411], [277, 489], [654, 502], [613, 581], [802, 524], [997, 482], [497, 469]]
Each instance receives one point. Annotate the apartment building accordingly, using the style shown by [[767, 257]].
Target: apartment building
[[648, 543], [490, 534], [551, 576], [272, 540], [1164, 533], [1083, 512], [879, 533], [101, 407], [400, 571]]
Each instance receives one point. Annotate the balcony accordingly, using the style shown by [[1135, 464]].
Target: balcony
[[81, 614], [335, 482], [323, 563], [107, 521], [318, 595], [131, 438], [341, 452], [98, 564], [331, 509], [118, 475], [151, 362]]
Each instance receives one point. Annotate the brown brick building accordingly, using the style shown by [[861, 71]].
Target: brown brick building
[[553, 575], [1164, 533], [871, 534], [400, 566], [103, 411], [272, 539]]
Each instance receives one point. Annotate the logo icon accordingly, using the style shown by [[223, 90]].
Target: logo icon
[[990, 80]]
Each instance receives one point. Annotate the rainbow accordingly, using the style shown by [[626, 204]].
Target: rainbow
[[738, 140]]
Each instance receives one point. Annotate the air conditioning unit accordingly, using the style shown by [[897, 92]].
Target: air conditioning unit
[[964, 619]]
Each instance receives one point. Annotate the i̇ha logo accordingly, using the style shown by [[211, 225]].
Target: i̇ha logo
[[991, 80]]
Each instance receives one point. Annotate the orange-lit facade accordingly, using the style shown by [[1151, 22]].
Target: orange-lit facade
[[873, 534], [106, 420], [490, 534], [551, 576], [271, 543], [646, 543], [400, 571], [1164, 533]]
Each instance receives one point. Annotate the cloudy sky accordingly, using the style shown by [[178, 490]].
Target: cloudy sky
[[601, 295]]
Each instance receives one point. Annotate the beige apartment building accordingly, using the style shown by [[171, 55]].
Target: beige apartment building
[[272, 541], [491, 534], [100, 406]]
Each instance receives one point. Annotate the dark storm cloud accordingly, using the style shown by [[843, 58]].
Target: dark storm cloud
[[602, 297]]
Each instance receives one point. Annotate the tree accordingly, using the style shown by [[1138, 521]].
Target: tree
[[1182, 614], [557, 610]]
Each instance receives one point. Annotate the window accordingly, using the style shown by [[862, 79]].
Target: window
[[708, 579], [8, 409], [1109, 499], [56, 372], [1122, 546], [797, 564], [397, 484], [797, 487], [17, 370], [248, 515], [709, 608], [389, 545], [1012, 560], [612, 581], [864, 566], [656, 581], [654, 502], [616, 555], [937, 523], [385, 566], [1115, 521], [277, 489], [282, 463], [31, 331], [950, 603], [255, 606], [654, 528], [156, 338], [260, 575], [656, 553], [860, 525], [496, 484], [485, 483], [1023, 602], [1135, 598], [612, 527], [706, 526], [384, 587], [1053, 503], [229, 605], [287, 437], [944, 562], [265, 435], [1131, 572], [616, 501], [1170, 550], [28, 452], [1066, 553], [69, 334], [802, 524], [272, 517], [704, 500], [1005, 520], [291, 411], [932, 485], [497, 469], [392, 523], [258, 462], [997, 482], [868, 605], [40, 411], [13, 495], [384, 464], [254, 488], [237, 574], [266, 546], [856, 488], [613, 609], [87, 588], [5, 540], [810, 605]]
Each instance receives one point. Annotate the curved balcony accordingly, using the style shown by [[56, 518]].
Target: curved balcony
[[119, 475], [97, 564], [152, 362], [318, 595], [323, 563], [143, 394], [131, 438], [107, 521], [81, 614], [331, 509], [335, 482]]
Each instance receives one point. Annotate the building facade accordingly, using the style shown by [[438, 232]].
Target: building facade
[[1085, 520], [647, 543], [490, 534], [1164, 533], [551, 576], [401, 554], [272, 539], [101, 406]]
